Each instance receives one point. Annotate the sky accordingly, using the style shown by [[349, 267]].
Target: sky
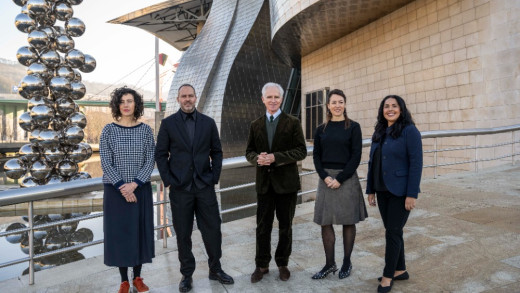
[[118, 49]]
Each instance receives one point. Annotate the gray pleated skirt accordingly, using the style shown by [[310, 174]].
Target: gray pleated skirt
[[342, 206]]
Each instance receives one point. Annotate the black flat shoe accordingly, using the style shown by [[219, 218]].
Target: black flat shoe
[[186, 284], [345, 271], [327, 269], [401, 277], [221, 276], [381, 289]]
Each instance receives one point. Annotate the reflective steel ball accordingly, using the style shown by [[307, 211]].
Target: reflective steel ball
[[39, 100], [42, 114], [33, 136], [88, 148], [17, 238], [77, 153], [38, 8], [15, 168], [58, 123], [75, 58], [29, 153], [31, 85], [65, 71], [67, 168], [75, 27], [38, 39], [65, 107], [63, 11], [41, 70], [48, 139], [77, 119], [29, 181], [54, 155], [26, 55], [73, 135], [60, 86], [64, 43], [50, 58], [89, 65], [40, 170], [78, 90], [55, 179], [24, 23], [25, 121], [20, 2]]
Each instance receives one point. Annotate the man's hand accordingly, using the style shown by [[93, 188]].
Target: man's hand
[[265, 159]]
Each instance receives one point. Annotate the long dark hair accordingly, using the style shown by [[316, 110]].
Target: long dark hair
[[329, 114], [115, 101], [405, 119]]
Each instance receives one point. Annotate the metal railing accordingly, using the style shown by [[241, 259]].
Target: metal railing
[[29, 195]]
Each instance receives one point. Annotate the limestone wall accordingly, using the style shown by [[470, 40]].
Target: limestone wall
[[456, 63]]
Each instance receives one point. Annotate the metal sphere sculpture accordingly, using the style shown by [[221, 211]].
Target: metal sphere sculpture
[[51, 86]]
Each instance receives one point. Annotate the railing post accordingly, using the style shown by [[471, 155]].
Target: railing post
[[31, 243], [165, 219], [513, 147], [476, 153], [435, 158]]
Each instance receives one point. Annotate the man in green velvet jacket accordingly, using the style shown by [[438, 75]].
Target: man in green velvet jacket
[[275, 145]]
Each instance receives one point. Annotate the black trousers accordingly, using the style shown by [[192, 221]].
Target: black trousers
[[394, 217], [284, 206], [202, 203]]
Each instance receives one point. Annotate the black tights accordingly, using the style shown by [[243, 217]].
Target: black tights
[[329, 240], [124, 272]]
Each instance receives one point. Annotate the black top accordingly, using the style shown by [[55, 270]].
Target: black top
[[337, 148], [377, 165]]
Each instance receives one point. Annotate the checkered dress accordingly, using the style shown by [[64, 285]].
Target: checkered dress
[[127, 154]]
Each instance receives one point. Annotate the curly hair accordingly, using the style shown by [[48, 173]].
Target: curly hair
[[405, 119], [115, 101]]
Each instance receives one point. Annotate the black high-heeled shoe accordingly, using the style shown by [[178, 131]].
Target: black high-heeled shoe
[[327, 269], [345, 271]]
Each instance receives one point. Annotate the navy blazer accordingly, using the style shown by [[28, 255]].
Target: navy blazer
[[402, 163], [177, 160]]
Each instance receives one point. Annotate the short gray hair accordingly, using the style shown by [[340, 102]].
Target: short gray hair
[[272, 84]]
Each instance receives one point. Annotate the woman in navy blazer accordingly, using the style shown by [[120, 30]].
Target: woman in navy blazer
[[394, 175]]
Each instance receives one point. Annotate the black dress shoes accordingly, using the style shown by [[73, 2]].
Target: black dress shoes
[[258, 274], [221, 276], [186, 284], [381, 289], [401, 277]]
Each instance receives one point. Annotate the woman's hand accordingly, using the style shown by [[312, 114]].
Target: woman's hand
[[333, 183], [409, 204], [372, 199], [130, 198], [128, 188]]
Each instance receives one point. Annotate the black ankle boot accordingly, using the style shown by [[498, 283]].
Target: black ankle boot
[[327, 269]]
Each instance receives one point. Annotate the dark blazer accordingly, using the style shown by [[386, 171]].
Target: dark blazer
[[402, 163], [288, 147], [177, 160]]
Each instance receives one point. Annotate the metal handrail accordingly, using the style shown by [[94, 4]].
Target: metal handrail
[[31, 194]]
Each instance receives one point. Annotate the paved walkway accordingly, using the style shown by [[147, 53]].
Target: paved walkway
[[464, 236]]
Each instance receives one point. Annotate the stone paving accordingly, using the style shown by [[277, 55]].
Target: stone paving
[[464, 236]]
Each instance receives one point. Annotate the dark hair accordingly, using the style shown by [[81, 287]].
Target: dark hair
[[405, 119], [186, 84], [329, 114], [115, 101]]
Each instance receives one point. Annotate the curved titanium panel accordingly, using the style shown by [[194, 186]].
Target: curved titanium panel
[[198, 64], [299, 29]]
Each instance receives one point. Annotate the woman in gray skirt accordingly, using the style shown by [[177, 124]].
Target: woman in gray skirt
[[339, 199]]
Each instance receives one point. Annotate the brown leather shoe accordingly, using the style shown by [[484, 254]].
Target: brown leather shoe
[[258, 274], [284, 273]]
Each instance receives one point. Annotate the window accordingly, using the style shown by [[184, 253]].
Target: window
[[314, 111]]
